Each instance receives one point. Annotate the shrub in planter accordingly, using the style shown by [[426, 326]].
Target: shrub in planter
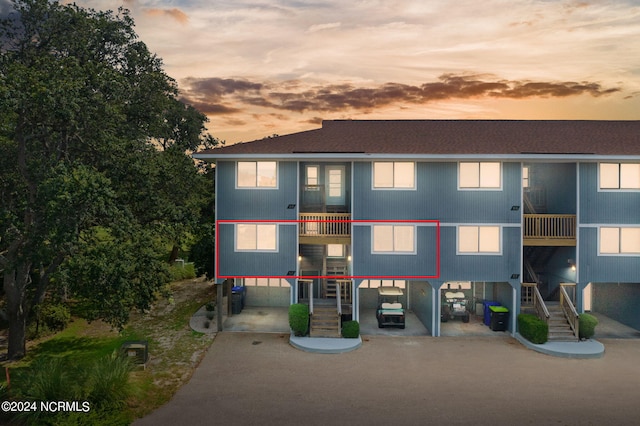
[[587, 324], [210, 306], [533, 328], [350, 329], [299, 319]]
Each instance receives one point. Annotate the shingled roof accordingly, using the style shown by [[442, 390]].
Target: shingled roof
[[450, 137]]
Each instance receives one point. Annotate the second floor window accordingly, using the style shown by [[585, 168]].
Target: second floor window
[[619, 176], [394, 175], [393, 239], [256, 237], [257, 174], [479, 175], [479, 240], [620, 240]]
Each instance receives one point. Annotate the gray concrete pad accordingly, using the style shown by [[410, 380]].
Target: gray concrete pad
[[369, 325], [609, 328], [258, 378]]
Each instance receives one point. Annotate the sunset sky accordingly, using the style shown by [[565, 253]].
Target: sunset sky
[[259, 67]]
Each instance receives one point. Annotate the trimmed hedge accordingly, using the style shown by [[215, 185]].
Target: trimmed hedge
[[299, 319], [350, 329], [587, 325], [533, 328]]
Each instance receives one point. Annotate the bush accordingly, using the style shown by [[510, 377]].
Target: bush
[[179, 272], [587, 324], [533, 328], [54, 317], [210, 306], [350, 329], [299, 319]]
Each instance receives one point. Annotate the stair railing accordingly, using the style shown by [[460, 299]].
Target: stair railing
[[570, 311], [540, 306]]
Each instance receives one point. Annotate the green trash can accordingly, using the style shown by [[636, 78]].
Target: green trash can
[[499, 318]]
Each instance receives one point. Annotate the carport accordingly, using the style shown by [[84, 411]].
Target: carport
[[614, 303]]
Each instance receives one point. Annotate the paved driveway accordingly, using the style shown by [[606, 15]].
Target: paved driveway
[[258, 379]]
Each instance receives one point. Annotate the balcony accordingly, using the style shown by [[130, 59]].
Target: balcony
[[325, 228], [549, 230]]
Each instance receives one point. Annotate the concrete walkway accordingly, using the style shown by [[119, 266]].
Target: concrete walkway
[[258, 378]]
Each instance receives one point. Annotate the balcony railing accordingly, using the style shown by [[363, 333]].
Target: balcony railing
[[549, 230], [322, 225]]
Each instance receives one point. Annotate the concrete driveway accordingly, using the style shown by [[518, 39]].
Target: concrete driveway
[[258, 378]]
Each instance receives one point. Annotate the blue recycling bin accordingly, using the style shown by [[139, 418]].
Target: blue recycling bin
[[238, 293], [487, 311]]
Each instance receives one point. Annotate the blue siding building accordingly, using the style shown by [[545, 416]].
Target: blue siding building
[[521, 213]]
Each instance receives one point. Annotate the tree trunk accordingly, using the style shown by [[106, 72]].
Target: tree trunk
[[174, 254], [15, 284]]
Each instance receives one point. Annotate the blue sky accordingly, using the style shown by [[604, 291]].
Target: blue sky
[[262, 67]]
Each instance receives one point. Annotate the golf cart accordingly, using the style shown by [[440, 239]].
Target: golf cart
[[390, 312], [454, 304]]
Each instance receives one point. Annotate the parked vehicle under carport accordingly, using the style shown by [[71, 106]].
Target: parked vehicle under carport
[[454, 304]]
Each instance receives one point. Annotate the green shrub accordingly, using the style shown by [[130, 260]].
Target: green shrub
[[55, 317], [587, 324], [350, 329], [299, 319], [533, 328], [108, 382], [210, 306], [179, 272]]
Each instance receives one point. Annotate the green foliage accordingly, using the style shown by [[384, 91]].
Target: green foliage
[[350, 329], [104, 383], [210, 306], [587, 325], [92, 136], [533, 328], [182, 272], [55, 317], [299, 319]]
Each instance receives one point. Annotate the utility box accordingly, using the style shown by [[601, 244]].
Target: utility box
[[137, 351]]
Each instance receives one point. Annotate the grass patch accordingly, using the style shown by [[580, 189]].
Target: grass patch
[[175, 350]]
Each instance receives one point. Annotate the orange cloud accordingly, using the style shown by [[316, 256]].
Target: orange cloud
[[174, 13]]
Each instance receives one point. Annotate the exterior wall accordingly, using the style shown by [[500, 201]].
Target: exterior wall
[[437, 197], [602, 207], [233, 263], [268, 296], [594, 268], [246, 204], [366, 263], [422, 303], [456, 267]]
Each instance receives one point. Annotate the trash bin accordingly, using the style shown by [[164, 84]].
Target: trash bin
[[499, 318], [240, 290], [487, 312], [236, 303]]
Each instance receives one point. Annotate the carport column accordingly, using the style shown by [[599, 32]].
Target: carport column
[[219, 305], [355, 300], [436, 307], [516, 309]]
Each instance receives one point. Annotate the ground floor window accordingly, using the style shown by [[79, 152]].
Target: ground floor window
[[383, 283], [265, 282]]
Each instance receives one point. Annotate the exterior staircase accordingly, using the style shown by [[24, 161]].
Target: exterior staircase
[[559, 328], [325, 322]]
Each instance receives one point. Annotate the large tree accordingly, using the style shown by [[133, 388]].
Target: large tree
[[92, 146]]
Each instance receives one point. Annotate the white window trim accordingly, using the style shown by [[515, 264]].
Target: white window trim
[[600, 189], [394, 188], [618, 254], [394, 225], [479, 253], [235, 239], [258, 187], [481, 188]]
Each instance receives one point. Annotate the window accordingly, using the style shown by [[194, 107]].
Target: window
[[335, 250], [265, 282], [257, 174], [619, 175], [525, 177], [312, 175], [479, 175], [479, 239], [254, 237], [614, 240], [393, 239], [383, 283], [399, 175]]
